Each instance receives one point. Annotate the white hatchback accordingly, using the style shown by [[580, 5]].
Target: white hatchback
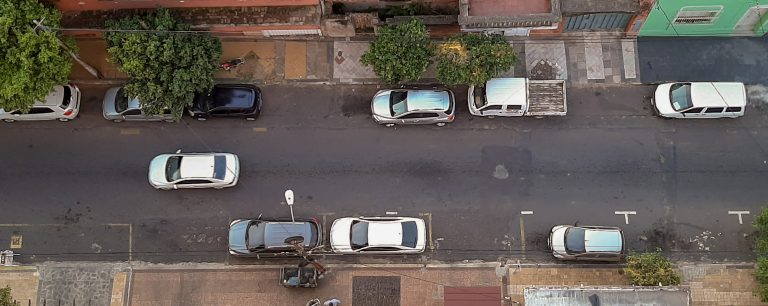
[[62, 103], [700, 100], [194, 170], [378, 235]]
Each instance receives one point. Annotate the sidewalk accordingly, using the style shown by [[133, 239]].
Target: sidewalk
[[372, 285], [582, 60]]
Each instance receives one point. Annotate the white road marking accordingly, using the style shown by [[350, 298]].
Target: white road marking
[[526, 212], [740, 213], [391, 213], [626, 215]]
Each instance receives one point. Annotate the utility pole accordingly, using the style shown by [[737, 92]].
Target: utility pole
[[89, 68]]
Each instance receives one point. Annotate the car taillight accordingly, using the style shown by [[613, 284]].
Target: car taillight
[[68, 112], [451, 117]]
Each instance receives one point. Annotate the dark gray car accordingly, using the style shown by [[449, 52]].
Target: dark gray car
[[266, 237]]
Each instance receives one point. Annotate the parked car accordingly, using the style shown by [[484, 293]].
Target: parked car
[[119, 107], [228, 100], [62, 103], [700, 100], [413, 106], [378, 235], [588, 243], [194, 170], [266, 237]]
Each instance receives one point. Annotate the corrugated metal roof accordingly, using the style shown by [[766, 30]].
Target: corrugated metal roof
[[607, 296]]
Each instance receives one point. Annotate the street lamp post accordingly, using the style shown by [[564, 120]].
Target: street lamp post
[[289, 201]]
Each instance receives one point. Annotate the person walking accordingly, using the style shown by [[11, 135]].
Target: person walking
[[332, 302]]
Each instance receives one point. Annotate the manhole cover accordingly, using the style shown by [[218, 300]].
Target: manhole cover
[[376, 290]]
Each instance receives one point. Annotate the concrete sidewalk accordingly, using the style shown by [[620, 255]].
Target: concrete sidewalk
[[368, 285], [581, 59]]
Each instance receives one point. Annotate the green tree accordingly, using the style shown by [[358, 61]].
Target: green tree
[[167, 68], [651, 269], [473, 59], [761, 248], [5, 297], [400, 53], [31, 60]]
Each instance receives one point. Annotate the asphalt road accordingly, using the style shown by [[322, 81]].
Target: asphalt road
[[79, 190]]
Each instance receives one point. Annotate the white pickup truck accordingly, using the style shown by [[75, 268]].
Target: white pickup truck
[[515, 97]]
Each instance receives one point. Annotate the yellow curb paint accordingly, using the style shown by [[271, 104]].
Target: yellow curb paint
[[129, 131], [118, 289], [259, 129], [295, 60]]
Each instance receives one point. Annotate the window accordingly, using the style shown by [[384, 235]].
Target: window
[[479, 96], [397, 102], [133, 112], [410, 234], [381, 249], [219, 166], [514, 107], [40, 110], [694, 110], [173, 168], [680, 96], [712, 110], [733, 109], [492, 107], [358, 235], [189, 182], [419, 116], [67, 97], [698, 14], [121, 100]]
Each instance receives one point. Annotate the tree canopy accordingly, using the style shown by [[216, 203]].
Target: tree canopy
[[31, 59], [5, 297], [473, 58], [400, 53], [167, 68]]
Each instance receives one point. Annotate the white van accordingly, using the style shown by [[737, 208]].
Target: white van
[[700, 100]]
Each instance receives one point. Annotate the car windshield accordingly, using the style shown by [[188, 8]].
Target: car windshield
[[121, 101], [359, 234], [398, 104], [480, 97], [173, 168], [67, 98], [680, 96], [410, 234], [219, 166], [574, 240]]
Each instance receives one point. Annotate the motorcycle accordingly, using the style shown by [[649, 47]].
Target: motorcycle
[[231, 64]]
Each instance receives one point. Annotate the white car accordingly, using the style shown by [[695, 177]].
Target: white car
[[62, 103], [700, 100], [194, 170], [378, 235]]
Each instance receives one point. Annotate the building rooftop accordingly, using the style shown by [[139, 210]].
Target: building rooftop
[[491, 8]]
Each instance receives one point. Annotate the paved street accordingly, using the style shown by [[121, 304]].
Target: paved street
[[85, 182]]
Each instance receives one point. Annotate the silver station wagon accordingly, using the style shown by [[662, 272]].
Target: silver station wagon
[[413, 106], [119, 107]]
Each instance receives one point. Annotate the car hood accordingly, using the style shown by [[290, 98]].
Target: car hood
[[109, 102], [237, 232], [340, 231], [157, 169], [661, 99], [558, 238], [380, 104]]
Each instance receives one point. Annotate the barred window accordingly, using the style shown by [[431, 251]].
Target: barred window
[[698, 14]]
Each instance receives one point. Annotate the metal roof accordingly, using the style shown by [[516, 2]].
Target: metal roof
[[505, 91], [607, 296]]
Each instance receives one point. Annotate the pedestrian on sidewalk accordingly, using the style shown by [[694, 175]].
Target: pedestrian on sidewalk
[[332, 302]]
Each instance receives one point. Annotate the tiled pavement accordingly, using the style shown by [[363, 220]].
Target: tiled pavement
[[582, 60], [709, 284]]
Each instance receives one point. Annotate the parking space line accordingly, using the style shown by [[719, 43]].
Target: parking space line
[[429, 229], [740, 213], [626, 215], [130, 131]]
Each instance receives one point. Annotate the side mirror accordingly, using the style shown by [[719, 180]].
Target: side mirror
[[175, 187], [178, 151], [259, 218]]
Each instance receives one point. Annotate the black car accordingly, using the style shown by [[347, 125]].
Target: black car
[[228, 100], [266, 237]]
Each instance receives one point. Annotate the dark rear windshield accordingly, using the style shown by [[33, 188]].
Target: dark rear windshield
[[67, 97], [219, 166], [410, 234], [228, 97], [574, 240]]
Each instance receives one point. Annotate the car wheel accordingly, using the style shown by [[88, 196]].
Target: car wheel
[[63, 119], [201, 118], [440, 124], [9, 120], [117, 120], [389, 125]]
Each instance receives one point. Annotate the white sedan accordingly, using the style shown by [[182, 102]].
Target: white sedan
[[378, 235], [194, 170]]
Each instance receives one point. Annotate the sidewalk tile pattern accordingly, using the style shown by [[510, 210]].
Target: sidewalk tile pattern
[[594, 57], [23, 285], [346, 61], [629, 56], [78, 283], [719, 285], [552, 50], [423, 287], [295, 60]]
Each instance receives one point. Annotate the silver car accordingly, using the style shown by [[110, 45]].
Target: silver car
[[62, 103], [589, 243], [194, 170], [413, 106], [118, 107]]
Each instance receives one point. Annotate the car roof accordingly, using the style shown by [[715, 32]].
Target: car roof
[[717, 94], [385, 233], [428, 100], [54, 97], [603, 240], [275, 233], [200, 166], [233, 97], [505, 91]]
